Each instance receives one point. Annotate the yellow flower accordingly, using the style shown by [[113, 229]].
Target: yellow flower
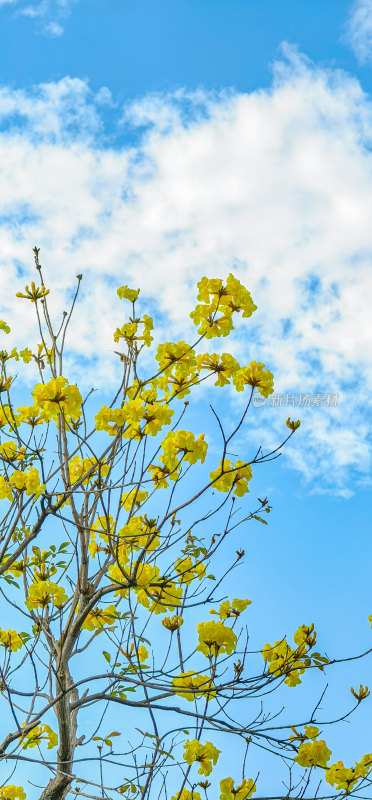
[[172, 623], [189, 571], [4, 326], [133, 498], [228, 299], [9, 451], [5, 490], [305, 636], [7, 416], [36, 735], [183, 446], [160, 474], [139, 532], [143, 654], [28, 481], [191, 685], [362, 694], [26, 355], [34, 293], [255, 376], [98, 617], [154, 592], [180, 354], [224, 366], [242, 792], [347, 777], [130, 332], [313, 754], [79, 466], [44, 592], [11, 792], [203, 753], [186, 795], [233, 609], [57, 397], [5, 383], [311, 732], [215, 638], [127, 294], [30, 415], [11, 640], [226, 476], [292, 425]]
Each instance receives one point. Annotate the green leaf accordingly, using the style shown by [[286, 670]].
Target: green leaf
[[259, 519], [106, 655], [115, 733]]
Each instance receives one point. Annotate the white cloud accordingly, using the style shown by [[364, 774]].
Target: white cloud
[[275, 186], [358, 30], [48, 13]]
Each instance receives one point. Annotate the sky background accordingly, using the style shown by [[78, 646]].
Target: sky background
[[152, 143]]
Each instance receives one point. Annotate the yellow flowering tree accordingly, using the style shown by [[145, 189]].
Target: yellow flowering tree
[[99, 560]]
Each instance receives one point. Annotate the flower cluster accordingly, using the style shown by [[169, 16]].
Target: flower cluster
[[30, 415], [41, 593], [217, 298], [172, 623], [134, 498], [131, 333], [10, 452], [188, 571], [255, 376], [79, 466], [233, 609], [11, 792], [142, 653], [98, 617], [34, 293], [241, 792], [154, 592], [11, 640], [215, 638], [21, 481], [6, 416], [139, 532], [135, 419], [347, 777], [127, 294], [205, 754], [227, 477], [292, 662], [35, 736], [191, 685], [57, 397], [28, 481], [313, 754], [186, 795], [223, 366]]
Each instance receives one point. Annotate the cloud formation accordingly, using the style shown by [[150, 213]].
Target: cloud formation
[[358, 30], [48, 14], [275, 186]]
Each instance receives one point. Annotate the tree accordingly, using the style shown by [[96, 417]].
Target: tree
[[103, 560]]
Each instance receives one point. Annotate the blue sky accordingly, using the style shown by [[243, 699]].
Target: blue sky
[[153, 142]]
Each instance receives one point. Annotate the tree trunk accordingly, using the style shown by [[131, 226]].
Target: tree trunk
[[58, 786]]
